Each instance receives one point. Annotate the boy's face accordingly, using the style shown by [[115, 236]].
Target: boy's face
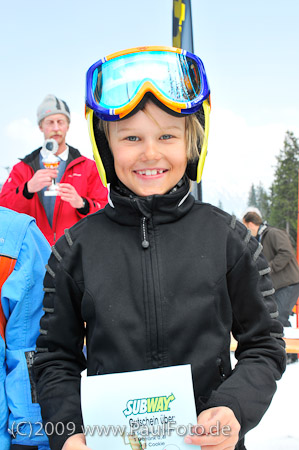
[[149, 150]]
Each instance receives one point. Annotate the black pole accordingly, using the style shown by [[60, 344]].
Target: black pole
[[182, 37]]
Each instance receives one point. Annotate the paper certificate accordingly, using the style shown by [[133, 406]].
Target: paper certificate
[[147, 409]]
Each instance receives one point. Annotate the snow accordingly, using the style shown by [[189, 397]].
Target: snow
[[278, 429]]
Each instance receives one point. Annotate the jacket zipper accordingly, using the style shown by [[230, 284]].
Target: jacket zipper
[[56, 218], [145, 242], [221, 369], [29, 362], [152, 295]]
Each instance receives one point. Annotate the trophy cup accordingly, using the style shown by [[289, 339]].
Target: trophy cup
[[51, 161]]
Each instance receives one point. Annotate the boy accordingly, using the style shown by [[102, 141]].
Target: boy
[[173, 277]]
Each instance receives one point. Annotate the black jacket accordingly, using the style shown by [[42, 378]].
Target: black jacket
[[159, 281]]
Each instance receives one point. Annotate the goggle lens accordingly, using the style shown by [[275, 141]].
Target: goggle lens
[[116, 82]]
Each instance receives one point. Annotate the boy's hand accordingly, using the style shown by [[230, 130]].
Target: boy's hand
[[217, 429], [76, 442]]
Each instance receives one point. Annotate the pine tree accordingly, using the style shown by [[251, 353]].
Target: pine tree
[[260, 199], [252, 197], [263, 202], [284, 190]]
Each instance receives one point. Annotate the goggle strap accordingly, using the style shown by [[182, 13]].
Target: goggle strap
[[204, 148], [98, 160]]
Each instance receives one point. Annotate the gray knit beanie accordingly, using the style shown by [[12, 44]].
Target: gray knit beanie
[[52, 105]]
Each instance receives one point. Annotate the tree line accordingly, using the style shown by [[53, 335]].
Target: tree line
[[279, 205]]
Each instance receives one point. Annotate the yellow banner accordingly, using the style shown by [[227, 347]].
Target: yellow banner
[[182, 35]]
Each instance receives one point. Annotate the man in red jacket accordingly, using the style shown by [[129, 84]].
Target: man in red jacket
[[80, 190]]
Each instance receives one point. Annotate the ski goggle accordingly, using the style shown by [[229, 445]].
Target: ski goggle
[[116, 84]]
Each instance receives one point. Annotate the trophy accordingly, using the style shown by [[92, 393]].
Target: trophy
[[51, 161]]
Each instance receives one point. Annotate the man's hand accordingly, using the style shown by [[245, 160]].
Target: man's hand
[[42, 178], [217, 429], [69, 194], [76, 442]]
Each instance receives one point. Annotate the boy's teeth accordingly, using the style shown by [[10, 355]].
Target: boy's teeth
[[149, 172]]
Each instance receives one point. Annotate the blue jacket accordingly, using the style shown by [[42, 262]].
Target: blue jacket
[[22, 243]]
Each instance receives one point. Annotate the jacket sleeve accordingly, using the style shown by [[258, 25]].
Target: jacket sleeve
[[59, 359], [249, 389], [282, 248], [22, 304], [97, 194], [11, 195]]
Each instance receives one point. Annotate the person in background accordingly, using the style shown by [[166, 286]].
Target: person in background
[[281, 257], [24, 252], [80, 190], [181, 274]]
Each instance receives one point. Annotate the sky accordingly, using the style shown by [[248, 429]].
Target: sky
[[249, 49]]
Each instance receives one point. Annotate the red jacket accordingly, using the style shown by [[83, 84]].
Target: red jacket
[[81, 172]]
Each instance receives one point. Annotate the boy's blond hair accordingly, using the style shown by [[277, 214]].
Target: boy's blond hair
[[194, 137]]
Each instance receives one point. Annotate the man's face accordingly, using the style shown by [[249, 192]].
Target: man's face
[[55, 127], [252, 227]]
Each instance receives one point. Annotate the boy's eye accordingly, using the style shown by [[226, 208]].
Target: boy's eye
[[166, 136], [132, 138]]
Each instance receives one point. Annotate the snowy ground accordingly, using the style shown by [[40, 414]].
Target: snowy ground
[[279, 428]]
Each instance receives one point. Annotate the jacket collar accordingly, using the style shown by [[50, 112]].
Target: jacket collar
[[127, 208], [262, 230]]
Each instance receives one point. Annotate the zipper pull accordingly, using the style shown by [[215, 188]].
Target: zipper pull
[[221, 369], [29, 358], [145, 242]]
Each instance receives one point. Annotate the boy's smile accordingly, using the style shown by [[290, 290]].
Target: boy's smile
[[149, 150]]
